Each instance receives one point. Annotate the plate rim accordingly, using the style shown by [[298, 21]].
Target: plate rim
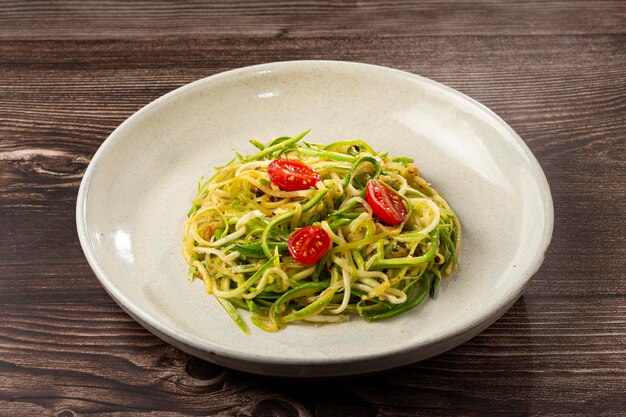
[[152, 322]]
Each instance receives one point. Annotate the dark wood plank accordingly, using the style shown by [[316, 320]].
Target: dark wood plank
[[280, 18], [70, 72]]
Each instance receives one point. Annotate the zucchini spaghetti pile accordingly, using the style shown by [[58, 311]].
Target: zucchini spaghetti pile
[[313, 232]]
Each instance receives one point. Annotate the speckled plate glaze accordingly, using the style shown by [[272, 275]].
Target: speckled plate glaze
[[137, 190]]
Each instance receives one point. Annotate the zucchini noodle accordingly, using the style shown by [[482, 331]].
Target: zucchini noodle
[[237, 231]]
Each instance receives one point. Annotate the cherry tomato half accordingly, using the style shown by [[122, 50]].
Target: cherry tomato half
[[309, 244], [386, 204], [292, 175]]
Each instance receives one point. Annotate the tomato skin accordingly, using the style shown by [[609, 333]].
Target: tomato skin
[[291, 175], [309, 244], [386, 203]]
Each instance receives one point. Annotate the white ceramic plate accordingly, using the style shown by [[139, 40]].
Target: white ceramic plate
[[137, 190]]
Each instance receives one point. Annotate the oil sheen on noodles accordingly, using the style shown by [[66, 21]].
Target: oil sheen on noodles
[[237, 235]]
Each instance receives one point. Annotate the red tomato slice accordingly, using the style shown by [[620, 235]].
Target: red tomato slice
[[292, 175], [386, 204], [309, 244]]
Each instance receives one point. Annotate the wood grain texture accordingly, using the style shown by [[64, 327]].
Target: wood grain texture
[[70, 72], [123, 20]]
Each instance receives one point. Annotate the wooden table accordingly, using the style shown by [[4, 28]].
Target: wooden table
[[70, 72]]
